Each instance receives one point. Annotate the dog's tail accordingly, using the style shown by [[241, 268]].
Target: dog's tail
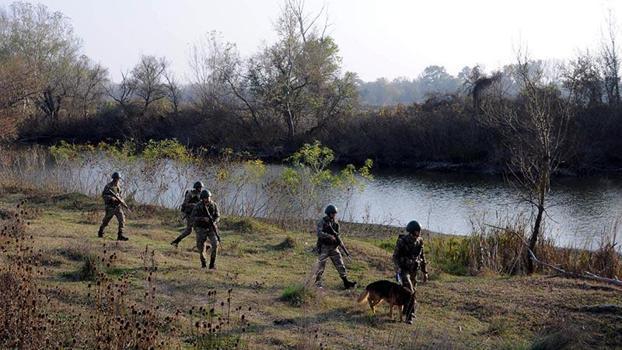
[[363, 297]]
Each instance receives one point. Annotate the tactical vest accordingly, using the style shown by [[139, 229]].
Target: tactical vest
[[409, 252], [205, 211], [108, 197], [191, 202], [328, 227]]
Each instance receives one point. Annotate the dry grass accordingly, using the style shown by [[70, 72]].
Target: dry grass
[[501, 248], [238, 305]]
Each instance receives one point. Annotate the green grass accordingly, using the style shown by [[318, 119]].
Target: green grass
[[266, 267], [298, 295]]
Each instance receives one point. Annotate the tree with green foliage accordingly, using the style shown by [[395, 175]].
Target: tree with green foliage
[[43, 41], [295, 83]]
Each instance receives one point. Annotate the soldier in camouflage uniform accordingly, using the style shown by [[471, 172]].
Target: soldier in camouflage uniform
[[328, 248], [191, 198], [204, 216], [408, 257], [111, 195]]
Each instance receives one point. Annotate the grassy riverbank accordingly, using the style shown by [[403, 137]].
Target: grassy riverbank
[[260, 261]]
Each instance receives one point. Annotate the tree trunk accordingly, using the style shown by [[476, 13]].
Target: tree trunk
[[534, 237], [289, 119]]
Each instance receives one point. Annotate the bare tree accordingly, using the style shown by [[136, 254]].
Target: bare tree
[[147, 80], [89, 80], [220, 82], [122, 93], [611, 61], [173, 90], [534, 128]]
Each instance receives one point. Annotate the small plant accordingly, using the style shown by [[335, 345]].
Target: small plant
[[297, 295], [498, 326], [218, 325], [91, 263], [312, 343]]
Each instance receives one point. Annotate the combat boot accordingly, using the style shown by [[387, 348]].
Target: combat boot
[[348, 284], [121, 237], [175, 243], [212, 266], [409, 311], [100, 233]]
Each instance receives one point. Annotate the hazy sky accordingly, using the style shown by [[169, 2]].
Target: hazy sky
[[377, 38]]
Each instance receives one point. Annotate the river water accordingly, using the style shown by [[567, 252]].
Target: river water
[[580, 209]]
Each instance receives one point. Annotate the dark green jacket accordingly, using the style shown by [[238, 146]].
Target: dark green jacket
[[202, 214]]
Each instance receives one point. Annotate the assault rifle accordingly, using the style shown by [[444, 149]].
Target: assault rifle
[[339, 241], [119, 199], [212, 224]]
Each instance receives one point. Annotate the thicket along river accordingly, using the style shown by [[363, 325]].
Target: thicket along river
[[581, 209]]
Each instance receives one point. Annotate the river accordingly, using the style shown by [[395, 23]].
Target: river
[[580, 209]]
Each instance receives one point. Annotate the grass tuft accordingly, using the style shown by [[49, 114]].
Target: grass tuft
[[562, 339], [242, 225], [297, 295]]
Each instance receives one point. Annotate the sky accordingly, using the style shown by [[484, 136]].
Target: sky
[[377, 38]]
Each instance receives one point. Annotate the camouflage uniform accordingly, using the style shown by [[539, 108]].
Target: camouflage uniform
[[113, 208], [191, 198], [204, 230], [408, 256], [328, 249]]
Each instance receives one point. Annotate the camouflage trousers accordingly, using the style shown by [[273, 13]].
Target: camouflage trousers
[[111, 212], [186, 232], [332, 253], [409, 281], [203, 236]]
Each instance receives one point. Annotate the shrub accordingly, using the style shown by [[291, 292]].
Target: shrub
[[449, 254], [237, 224], [297, 295]]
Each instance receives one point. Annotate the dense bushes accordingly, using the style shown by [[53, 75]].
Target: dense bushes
[[441, 132], [445, 131]]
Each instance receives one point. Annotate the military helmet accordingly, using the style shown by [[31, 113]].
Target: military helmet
[[116, 175], [205, 194], [413, 226], [198, 185], [331, 209]]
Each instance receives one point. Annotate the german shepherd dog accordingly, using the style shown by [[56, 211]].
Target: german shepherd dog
[[393, 293]]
